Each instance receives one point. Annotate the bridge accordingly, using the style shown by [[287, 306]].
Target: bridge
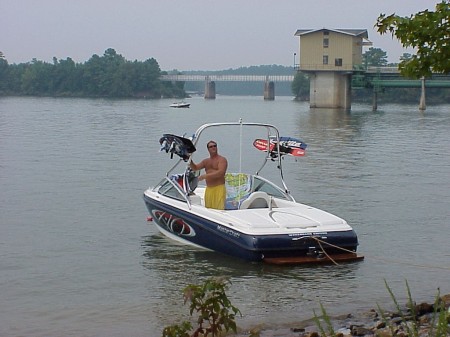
[[210, 81], [257, 78], [370, 77], [389, 77]]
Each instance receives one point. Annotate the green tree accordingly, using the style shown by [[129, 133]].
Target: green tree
[[405, 57], [93, 72], [148, 82], [36, 78], [426, 31], [66, 77], [375, 57], [113, 84], [300, 86], [3, 73]]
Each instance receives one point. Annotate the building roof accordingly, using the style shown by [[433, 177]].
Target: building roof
[[353, 32]]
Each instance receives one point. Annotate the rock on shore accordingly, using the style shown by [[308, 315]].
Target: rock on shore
[[369, 323]]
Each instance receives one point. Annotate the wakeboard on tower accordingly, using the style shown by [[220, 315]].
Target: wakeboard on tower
[[180, 146], [288, 146]]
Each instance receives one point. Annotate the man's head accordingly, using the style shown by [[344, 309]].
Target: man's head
[[212, 146]]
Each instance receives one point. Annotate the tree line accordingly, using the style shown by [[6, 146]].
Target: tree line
[[109, 75]]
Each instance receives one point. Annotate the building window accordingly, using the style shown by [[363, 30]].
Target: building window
[[326, 32], [325, 59], [338, 62], [326, 42]]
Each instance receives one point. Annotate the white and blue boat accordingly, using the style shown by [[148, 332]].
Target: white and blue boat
[[261, 221], [181, 104]]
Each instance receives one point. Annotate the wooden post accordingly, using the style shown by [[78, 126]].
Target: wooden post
[[422, 105], [374, 99]]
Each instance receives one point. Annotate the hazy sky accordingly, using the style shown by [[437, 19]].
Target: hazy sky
[[186, 34]]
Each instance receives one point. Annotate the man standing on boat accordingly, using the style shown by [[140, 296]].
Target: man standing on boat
[[215, 168]]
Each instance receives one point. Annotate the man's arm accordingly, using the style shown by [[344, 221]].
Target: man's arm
[[196, 167]]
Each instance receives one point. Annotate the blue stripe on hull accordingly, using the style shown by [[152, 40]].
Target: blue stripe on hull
[[211, 235]]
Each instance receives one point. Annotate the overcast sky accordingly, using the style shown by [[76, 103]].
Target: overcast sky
[[186, 34]]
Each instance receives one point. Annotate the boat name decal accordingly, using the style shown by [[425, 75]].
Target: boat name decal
[[298, 235], [172, 223], [228, 231]]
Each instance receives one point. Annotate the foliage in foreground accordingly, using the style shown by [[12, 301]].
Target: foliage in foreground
[[438, 326], [214, 309], [428, 33]]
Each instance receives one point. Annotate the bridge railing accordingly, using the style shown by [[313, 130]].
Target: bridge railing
[[326, 67], [390, 70], [228, 78], [347, 67]]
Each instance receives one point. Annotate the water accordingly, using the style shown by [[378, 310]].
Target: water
[[77, 257]]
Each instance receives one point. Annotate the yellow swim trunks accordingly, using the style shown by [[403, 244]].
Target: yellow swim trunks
[[215, 197]]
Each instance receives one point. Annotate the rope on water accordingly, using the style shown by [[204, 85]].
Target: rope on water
[[326, 254], [331, 245]]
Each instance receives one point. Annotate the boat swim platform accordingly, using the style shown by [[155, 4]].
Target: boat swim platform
[[299, 260]]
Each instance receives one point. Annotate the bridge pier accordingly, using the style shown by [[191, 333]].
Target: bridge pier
[[269, 90], [210, 89], [330, 89]]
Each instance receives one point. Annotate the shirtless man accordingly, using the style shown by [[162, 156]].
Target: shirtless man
[[215, 167]]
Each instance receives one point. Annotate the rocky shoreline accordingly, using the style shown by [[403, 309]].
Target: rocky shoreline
[[368, 323]]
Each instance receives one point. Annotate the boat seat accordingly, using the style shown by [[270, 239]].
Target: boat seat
[[195, 199], [256, 200]]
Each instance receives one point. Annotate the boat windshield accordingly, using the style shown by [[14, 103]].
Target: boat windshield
[[168, 189], [262, 185]]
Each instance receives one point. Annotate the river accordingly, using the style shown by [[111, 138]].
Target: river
[[78, 258]]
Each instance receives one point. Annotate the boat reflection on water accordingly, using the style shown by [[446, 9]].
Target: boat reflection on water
[[285, 289], [172, 258]]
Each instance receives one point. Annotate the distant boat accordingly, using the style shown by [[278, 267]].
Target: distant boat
[[180, 105]]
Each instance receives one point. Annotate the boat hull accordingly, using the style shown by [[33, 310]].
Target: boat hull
[[186, 226]]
